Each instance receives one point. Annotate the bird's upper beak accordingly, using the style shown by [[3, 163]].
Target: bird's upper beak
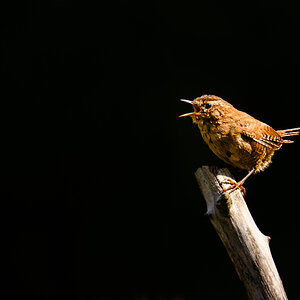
[[187, 114]]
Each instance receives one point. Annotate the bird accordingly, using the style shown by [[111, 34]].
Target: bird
[[236, 137]]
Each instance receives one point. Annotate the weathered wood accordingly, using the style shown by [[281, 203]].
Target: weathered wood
[[247, 247]]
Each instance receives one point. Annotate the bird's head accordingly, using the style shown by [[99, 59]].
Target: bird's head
[[207, 107]]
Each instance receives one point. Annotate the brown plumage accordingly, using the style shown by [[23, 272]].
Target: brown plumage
[[235, 137]]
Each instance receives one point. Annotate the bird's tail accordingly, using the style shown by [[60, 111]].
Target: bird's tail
[[289, 132]]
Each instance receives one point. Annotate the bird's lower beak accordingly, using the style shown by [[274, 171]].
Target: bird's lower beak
[[187, 114]]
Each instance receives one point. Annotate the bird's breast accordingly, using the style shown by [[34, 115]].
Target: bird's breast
[[228, 146]]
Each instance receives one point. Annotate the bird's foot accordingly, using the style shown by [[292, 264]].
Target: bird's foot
[[234, 186]]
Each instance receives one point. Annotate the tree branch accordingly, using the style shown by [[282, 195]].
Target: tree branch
[[247, 247]]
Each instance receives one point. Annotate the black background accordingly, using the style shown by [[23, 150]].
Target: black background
[[100, 200]]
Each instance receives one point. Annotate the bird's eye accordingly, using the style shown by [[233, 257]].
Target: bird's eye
[[207, 105]]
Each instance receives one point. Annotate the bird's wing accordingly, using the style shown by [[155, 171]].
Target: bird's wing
[[263, 134]]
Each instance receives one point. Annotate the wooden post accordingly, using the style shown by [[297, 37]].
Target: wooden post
[[247, 247]]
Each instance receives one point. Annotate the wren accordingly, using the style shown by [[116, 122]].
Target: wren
[[236, 137]]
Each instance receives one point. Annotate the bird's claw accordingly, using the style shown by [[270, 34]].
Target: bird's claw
[[234, 186]]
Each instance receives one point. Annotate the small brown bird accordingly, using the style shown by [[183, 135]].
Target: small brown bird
[[235, 137]]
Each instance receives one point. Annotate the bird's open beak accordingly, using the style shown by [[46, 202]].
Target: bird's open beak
[[187, 101], [187, 114]]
